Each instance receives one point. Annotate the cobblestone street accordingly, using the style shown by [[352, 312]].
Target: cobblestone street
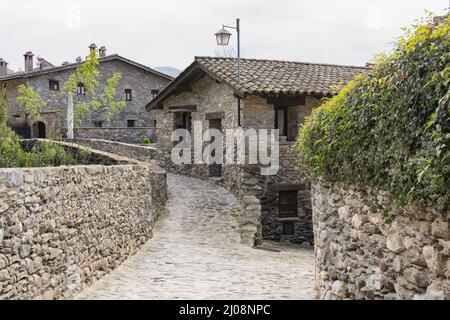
[[196, 254]]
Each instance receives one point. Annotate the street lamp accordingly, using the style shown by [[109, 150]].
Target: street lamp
[[223, 39]]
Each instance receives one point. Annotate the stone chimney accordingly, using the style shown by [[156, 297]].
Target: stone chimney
[[29, 64], [78, 60], [3, 68], [92, 47], [102, 52]]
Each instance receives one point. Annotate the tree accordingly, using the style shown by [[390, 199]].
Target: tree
[[88, 75], [30, 101]]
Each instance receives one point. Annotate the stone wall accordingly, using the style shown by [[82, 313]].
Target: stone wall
[[290, 178], [141, 153], [259, 114], [369, 248], [63, 228], [126, 135]]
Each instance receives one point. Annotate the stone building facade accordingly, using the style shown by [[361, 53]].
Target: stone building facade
[[138, 85], [270, 95]]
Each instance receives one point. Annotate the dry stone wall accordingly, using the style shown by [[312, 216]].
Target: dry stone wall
[[63, 228], [125, 135], [366, 247], [141, 153]]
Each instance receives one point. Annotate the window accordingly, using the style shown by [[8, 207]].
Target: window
[[98, 124], [128, 96], [288, 228], [131, 123], [154, 123], [281, 120], [154, 93], [81, 89], [53, 85], [288, 204]]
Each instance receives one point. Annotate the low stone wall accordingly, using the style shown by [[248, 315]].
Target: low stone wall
[[63, 228], [251, 226], [366, 247], [141, 153], [126, 135]]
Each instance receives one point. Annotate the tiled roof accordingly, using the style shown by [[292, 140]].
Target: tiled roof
[[50, 70], [274, 77]]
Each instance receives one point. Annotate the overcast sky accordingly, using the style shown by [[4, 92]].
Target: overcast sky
[[172, 32]]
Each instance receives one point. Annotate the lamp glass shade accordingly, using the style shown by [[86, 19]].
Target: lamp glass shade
[[223, 37]]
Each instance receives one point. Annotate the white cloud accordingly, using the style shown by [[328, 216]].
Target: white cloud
[[172, 32]]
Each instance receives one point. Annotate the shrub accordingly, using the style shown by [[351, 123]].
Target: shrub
[[12, 155], [147, 140], [43, 154], [390, 127]]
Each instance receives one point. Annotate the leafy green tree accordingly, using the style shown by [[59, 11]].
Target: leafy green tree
[[30, 101], [105, 101]]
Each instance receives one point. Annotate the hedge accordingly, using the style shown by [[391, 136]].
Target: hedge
[[389, 128]]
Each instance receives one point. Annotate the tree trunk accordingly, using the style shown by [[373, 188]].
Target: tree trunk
[[70, 116]]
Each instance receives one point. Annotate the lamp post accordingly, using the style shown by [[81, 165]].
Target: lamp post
[[223, 39]]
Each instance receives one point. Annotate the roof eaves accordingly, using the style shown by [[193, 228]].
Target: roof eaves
[[213, 75], [141, 66], [167, 90], [74, 65]]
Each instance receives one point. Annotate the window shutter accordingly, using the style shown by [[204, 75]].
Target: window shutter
[[288, 207]]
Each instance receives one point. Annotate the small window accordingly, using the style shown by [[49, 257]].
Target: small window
[[81, 89], [128, 96], [131, 123], [154, 123], [98, 124], [154, 93], [53, 85], [288, 228], [288, 204], [281, 120]]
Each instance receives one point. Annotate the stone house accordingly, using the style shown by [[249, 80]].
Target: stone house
[[271, 94], [139, 84]]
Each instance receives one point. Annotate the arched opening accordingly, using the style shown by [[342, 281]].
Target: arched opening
[[39, 130]]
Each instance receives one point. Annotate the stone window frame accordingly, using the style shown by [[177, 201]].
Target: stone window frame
[[154, 93], [294, 205], [53, 85], [131, 123], [285, 132], [128, 95], [81, 89]]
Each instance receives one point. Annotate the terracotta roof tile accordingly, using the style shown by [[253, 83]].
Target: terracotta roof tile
[[279, 77]]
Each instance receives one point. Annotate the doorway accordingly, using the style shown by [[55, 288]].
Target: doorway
[[39, 130], [215, 169]]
